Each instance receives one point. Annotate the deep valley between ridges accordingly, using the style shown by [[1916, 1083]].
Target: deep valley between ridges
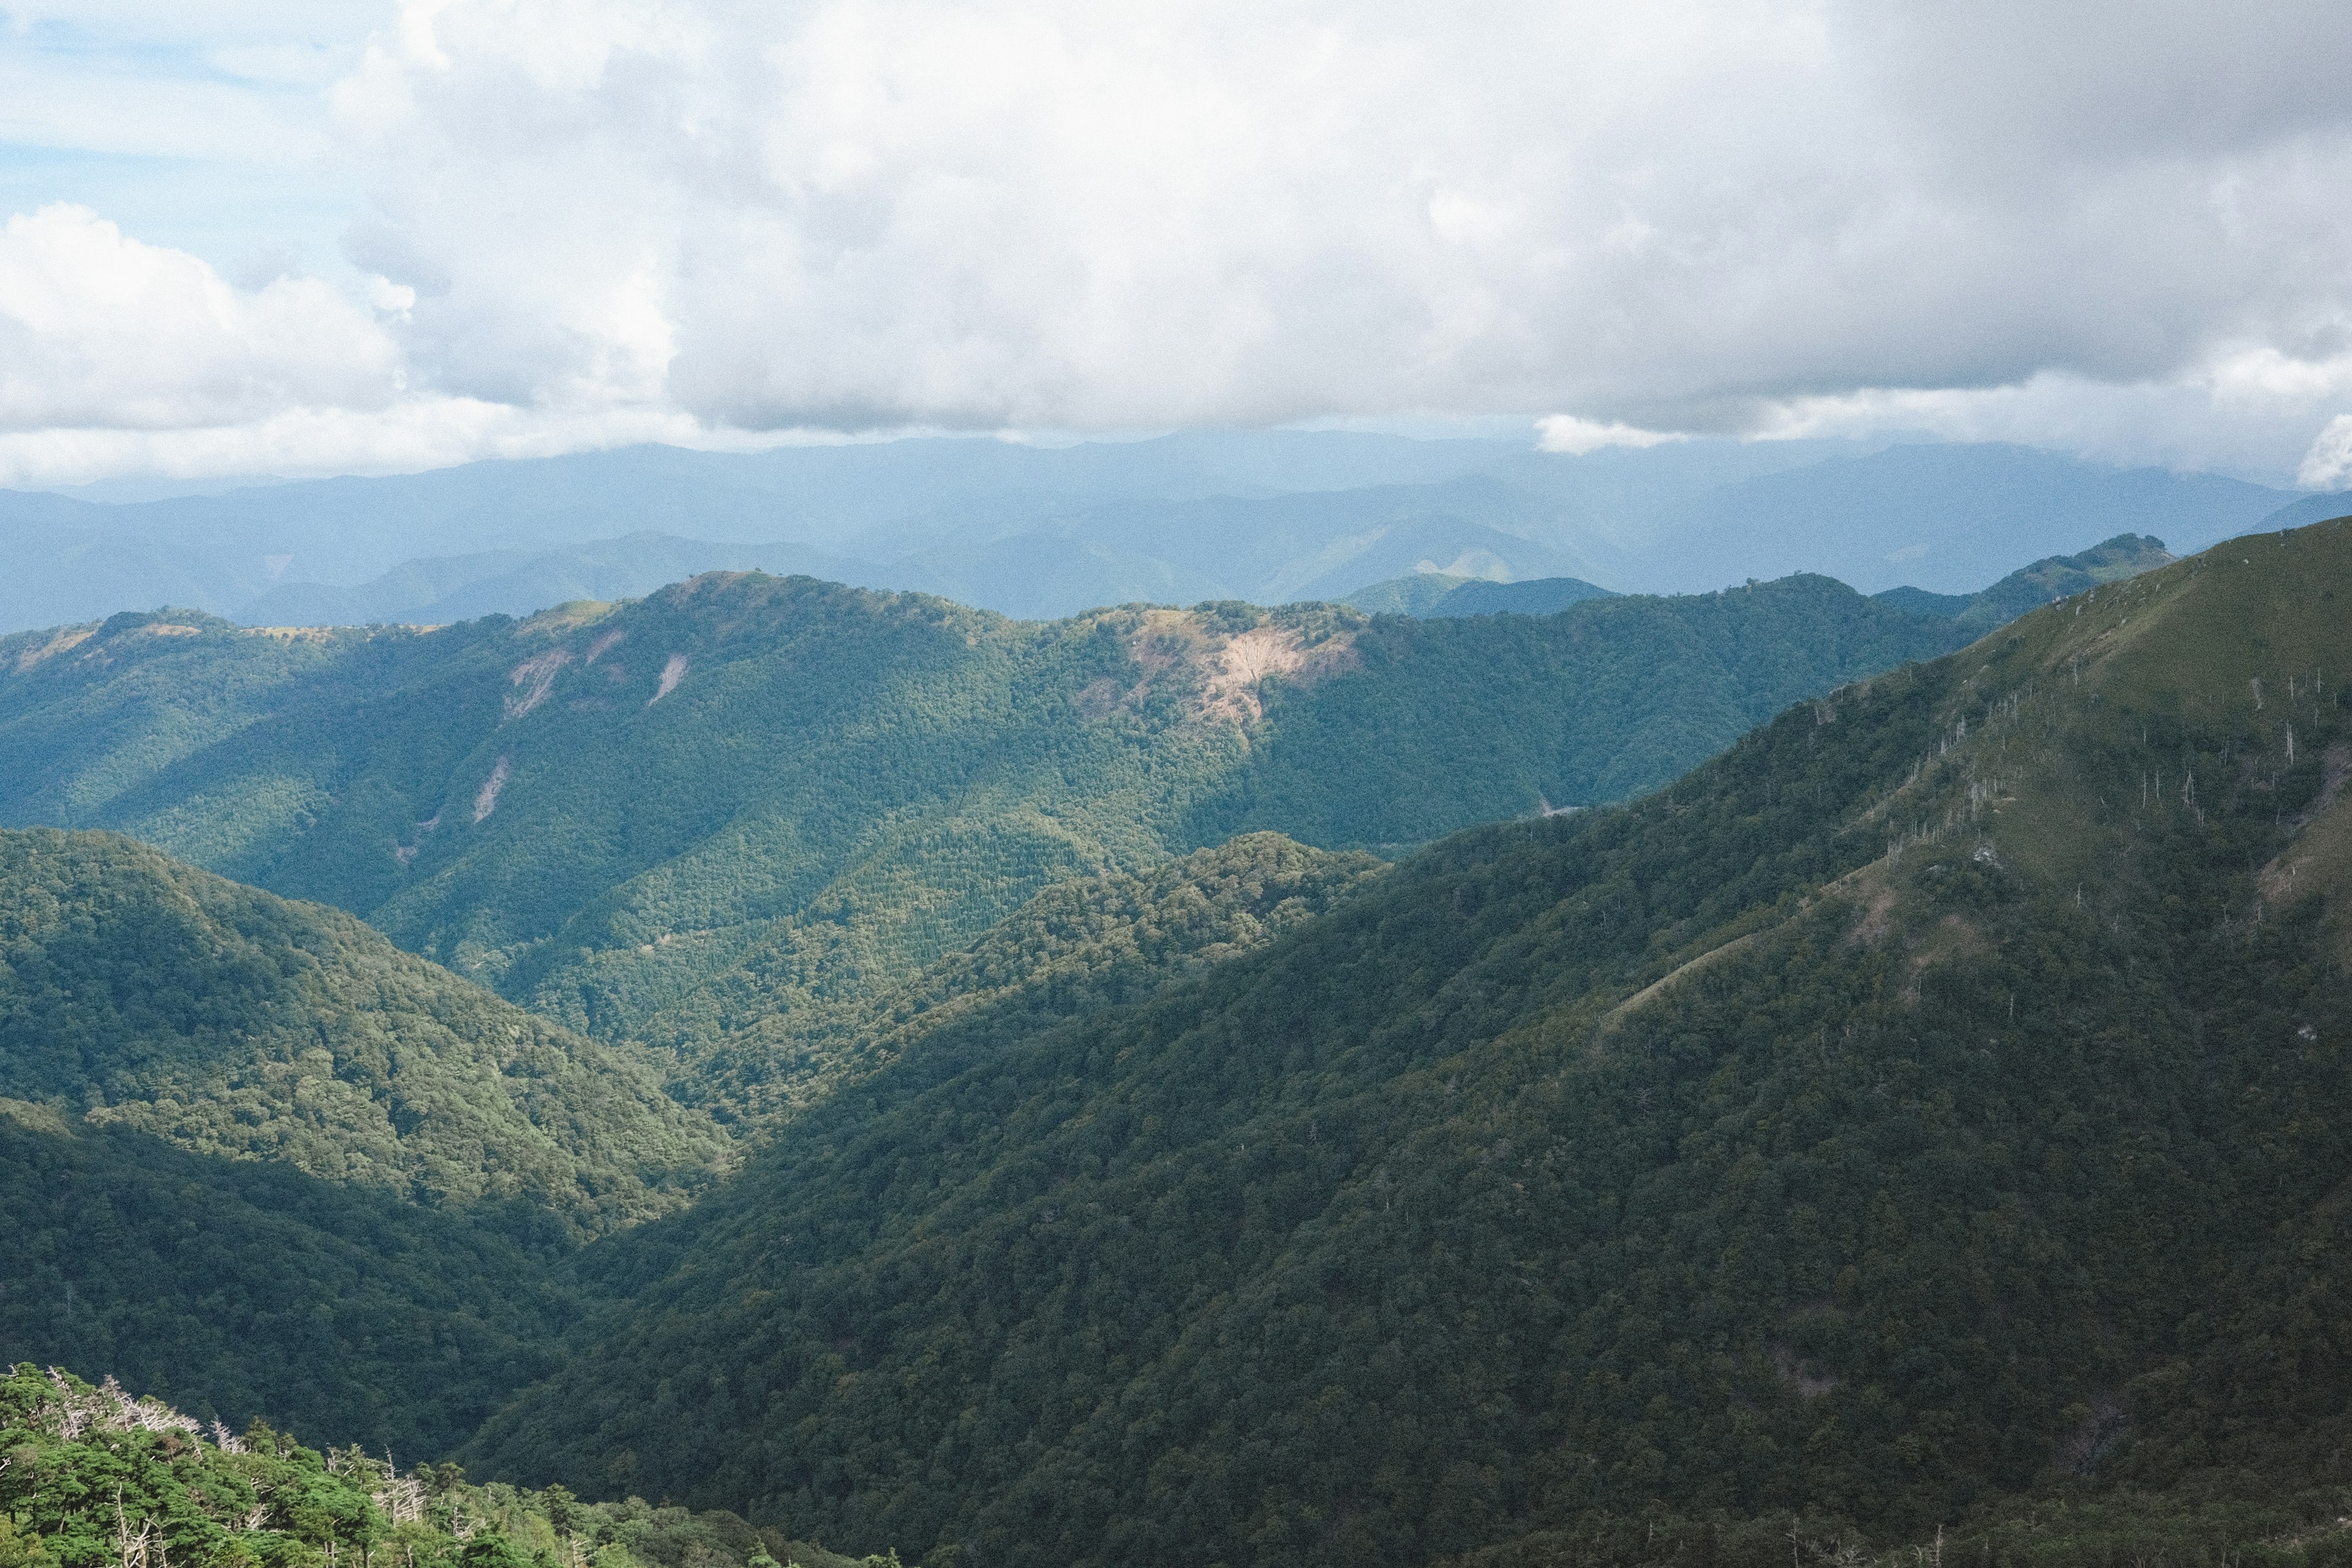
[[1926, 1114]]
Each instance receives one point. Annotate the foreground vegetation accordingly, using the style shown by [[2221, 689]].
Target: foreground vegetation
[[94, 1478]]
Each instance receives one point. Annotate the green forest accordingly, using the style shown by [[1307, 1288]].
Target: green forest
[[95, 1478], [1057, 1106], [1790, 1140], [628, 817]]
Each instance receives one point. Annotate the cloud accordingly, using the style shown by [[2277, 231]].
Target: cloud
[[99, 330], [2119, 226], [1681, 216], [2328, 464], [1565, 433]]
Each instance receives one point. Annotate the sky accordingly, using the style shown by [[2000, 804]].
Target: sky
[[248, 237]]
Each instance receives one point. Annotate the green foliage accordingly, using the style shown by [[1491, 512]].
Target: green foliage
[[2030, 588], [138, 991], [94, 1479], [1940, 1100], [1457, 721], [1076, 949], [633, 819], [2122, 1530], [258, 1159], [237, 1288]]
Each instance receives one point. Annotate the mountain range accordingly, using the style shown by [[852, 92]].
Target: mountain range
[[1177, 1086], [1267, 517], [667, 819], [1937, 1098]]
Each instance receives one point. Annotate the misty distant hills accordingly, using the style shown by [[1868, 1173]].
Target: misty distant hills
[[1039, 533], [1944, 518], [1443, 595], [438, 590]]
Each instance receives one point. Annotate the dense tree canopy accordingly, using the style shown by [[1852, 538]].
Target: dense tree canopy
[[747, 783], [1922, 1127], [1939, 1097], [142, 993]]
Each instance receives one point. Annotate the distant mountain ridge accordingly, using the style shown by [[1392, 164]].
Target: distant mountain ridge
[[1048, 532], [2030, 587], [1440, 593]]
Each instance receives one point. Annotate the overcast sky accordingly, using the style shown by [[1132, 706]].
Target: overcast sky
[[312, 236]]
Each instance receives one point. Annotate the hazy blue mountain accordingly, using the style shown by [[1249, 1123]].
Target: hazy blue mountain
[[2309, 508], [1441, 594], [1944, 518], [520, 582], [1265, 516]]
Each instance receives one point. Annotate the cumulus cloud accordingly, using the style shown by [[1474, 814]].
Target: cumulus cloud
[[99, 331], [1567, 432], [724, 215], [2328, 464], [1037, 212]]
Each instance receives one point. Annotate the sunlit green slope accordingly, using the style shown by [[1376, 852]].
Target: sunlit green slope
[[138, 991], [1944, 1095], [633, 817]]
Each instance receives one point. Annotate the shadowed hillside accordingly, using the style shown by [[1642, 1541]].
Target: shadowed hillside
[[259, 1162], [1940, 1098]]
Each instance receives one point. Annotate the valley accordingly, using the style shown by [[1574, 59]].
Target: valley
[[1172, 1086]]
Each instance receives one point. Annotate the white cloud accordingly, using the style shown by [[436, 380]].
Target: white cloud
[[99, 330], [1567, 432], [412, 434], [1680, 216], [2120, 229], [2328, 464]]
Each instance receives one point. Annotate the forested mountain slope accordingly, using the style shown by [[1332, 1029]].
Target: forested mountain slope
[[1079, 946], [142, 993], [2030, 588], [1944, 1095], [244, 1288], [259, 1161], [630, 816], [330, 1245]]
